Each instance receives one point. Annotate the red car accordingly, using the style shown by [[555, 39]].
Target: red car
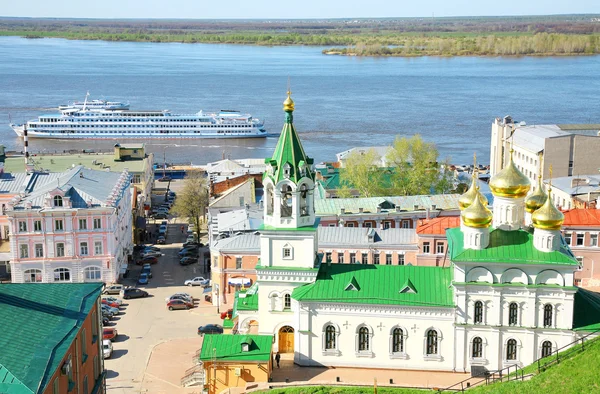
[[179, 304], [147, 260], [227, 314], [109, 333], [111, 304]]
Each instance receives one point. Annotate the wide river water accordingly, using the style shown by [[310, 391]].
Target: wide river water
[[341, 102]]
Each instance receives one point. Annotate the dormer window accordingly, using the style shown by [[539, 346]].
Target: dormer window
[[245, 347], [58, 201], [286, 170]]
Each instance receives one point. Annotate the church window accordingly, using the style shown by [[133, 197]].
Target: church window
[[547, 315], [513, 314], [286, 201], [287, 252], [432, 342], [477, 350], [426, 247], [58, 201], [546, 348], [287, 302], [286, 170], [270, 200], [363, 339], [274, 302], [397, 340], [303, 200], [478, 313], [330, 337], [511, 349]]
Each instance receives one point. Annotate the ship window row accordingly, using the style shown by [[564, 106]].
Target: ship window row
[[136, 126], [144, 125]]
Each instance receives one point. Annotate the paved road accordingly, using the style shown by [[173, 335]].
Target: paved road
[[146, 322]]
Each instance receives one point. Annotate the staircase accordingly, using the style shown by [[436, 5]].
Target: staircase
[[194, 376]]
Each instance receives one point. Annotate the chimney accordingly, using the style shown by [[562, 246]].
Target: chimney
[[360, 210], [342, 211], [427, 214], [433, 207], [378, 209], [415, 207]]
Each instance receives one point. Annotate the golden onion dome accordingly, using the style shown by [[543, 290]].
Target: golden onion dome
[[536, 199], [477, 215], [510, 182], [288, 104], [548, 217], [465, 200]]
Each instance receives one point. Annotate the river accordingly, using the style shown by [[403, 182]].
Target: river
[[341, 101]]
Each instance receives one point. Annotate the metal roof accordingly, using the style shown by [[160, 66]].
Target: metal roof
[[438, 226], [39, 324], [59, 163], [512, 247], [229, 347], [582, 217], [242, 219], [380, 284], [362, 237], [239, 243], [590, 183], [13, 183], [382, 151], [333, 206], [80, 184]]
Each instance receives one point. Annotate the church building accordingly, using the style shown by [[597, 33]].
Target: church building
[[505, 296]]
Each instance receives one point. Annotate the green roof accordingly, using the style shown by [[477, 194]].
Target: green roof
[[289, 150], [246, 300], [586, 310], [229, 347], [379, 284], [514, 247], [227, 323], [39, 323], [60, 163]]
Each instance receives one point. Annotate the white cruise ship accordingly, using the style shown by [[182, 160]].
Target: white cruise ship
[[74, 123]]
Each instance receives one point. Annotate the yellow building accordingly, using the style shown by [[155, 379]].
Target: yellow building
[[235, 360]]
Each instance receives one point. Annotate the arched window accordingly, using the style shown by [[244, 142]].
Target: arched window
[[330, 337], [286, 201], [547, 315], [511, 349], [513, 314], [363, 339], [269, 199], [287, 302], [92, 273], [62, 275], [546, 348], [432, 342], [397, 341], [478, 313], [477, 351], [32, 276], [274, 301], [58, 201], [303, 200]]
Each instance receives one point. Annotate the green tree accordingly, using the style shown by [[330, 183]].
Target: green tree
[[415, 167], [362, 173], [192, 200]]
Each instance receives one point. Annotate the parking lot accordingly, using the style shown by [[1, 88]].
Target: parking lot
[[146, 322]]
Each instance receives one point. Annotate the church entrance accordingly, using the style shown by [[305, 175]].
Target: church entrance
[[286, 339]]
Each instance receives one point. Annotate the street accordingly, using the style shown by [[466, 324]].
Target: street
[[146, 322]]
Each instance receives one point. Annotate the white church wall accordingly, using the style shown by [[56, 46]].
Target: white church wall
[[380, 322], [302, 246]]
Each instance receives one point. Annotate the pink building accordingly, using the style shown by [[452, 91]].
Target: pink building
[[73, 226], [580, 229], [432, 241]]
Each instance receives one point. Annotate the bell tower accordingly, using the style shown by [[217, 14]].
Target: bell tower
[[289, 180]]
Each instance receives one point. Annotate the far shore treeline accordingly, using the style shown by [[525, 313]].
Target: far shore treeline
[[475, 36]]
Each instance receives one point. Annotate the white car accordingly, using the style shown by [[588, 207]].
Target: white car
[[107, 348], [180, 296], [197, 281]]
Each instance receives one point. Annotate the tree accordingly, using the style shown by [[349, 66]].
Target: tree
[[415, 167], [192, 200], [362, 173]]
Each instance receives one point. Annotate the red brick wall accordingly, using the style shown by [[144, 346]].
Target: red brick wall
[[222, 187]]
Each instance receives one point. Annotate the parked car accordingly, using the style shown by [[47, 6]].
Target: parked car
[[165, 178], [105, 320], [161, 215], [161, 240], [188, 260], [227, 314], [113, 299], [107, 314], [210, 329], [113, 289], [109, 333], [133, 292], [150, 248], [164, 223], [197, 281], [143, 279], [147, 269], [147, 260], [114, 311], [110, 303], [190, 238], [193, 243], [180, 296], [189, 247], [188, 253], [172, 193], [151, 253], [107, 348], [162, 232], [179, 304]]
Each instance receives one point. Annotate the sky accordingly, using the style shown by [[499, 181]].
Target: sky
[[271, 9]]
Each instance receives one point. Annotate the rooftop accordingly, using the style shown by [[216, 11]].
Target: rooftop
[[437, 226], [229, 347], [366, 237], [39, 323], [512, 247], [582, 217], [380, 284], [380, 150], [533, 137], [369, 205], [246, 300], [575, 185], [60, 162]]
